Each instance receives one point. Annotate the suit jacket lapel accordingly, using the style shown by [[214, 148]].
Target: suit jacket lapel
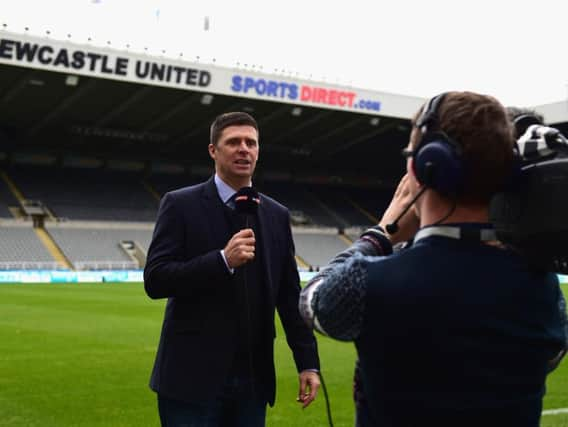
[[213, 212], [264, 225]]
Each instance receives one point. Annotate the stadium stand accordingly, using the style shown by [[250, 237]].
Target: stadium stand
[[94, 215], [7, 200], [97, 245], [87, 194], [325, 205], [317, 246], [110, 195], [322, 160], [373, 201], [161, 183], [337, 200], [298, 200], [21, 248]]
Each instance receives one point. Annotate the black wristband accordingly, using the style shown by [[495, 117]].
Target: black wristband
[[378, 237]]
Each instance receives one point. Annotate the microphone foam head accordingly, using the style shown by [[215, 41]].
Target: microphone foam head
[[247, 200]]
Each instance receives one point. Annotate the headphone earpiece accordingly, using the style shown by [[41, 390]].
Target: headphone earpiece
[[437, 164], [437, 160]]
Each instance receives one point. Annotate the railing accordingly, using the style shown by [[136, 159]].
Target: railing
[[299, 218], [105, 265], [30, 265]]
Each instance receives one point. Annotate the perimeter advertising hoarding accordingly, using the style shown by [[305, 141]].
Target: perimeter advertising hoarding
[[111, 276], [65, 276]]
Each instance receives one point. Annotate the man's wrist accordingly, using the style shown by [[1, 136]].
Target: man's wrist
[[229, 269], [379, 238]]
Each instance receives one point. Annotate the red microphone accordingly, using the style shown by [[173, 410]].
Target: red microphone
[[247, 201]]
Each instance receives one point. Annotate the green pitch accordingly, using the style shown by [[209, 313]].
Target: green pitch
[[80, 355]]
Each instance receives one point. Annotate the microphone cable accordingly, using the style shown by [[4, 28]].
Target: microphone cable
[[327, 404], [393, 226], [247, 201], [248, 325], [429, 170]]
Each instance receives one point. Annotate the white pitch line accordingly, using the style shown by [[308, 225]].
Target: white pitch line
[[555, 411]]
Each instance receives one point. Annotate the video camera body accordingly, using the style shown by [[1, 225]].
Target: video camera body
[[532, 214]]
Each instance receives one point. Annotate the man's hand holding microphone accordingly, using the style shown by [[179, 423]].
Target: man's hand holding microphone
[[240, 249]]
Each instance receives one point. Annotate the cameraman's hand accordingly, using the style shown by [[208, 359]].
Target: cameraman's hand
[[240, 248], [409, 223]]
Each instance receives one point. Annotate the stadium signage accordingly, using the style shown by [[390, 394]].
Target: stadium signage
[[98, 276], [101, 276], [89, 62], [302, 93], [68, 57], [65, 276]]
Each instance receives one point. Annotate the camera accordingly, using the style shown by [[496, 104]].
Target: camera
[[531, 215]]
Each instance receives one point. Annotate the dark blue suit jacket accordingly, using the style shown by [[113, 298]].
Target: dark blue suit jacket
[[199, 333]]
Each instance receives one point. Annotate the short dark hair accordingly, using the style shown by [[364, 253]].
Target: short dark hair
[[481, 127], [235, 118]]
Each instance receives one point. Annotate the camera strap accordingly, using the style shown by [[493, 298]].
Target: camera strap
[[458, 233]]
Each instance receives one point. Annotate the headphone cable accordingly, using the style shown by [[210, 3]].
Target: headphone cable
[[449, 214]]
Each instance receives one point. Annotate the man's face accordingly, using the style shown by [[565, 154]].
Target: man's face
[[235, 154]]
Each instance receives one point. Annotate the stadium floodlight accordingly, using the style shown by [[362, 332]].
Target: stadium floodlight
[[207, 99], [72, 80], [296, 111]]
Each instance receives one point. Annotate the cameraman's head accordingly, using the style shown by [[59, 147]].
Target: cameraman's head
[[522, 118], [479, 148]]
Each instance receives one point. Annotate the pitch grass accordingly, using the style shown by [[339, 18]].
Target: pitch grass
[[80, 355]]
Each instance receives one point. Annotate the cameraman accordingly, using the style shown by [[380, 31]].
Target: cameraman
[[455, 330]]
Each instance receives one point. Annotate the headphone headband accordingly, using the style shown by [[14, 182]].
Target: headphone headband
[[429, 115]]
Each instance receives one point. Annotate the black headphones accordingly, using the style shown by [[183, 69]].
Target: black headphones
[[437, 159], [523, 121]]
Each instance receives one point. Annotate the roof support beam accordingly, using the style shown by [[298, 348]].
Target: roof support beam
[[15, 89], [272, 116], [334, 131], [194, 130], [135, 98], [362, 138], [62, 107], [162, 118], [302, 126]]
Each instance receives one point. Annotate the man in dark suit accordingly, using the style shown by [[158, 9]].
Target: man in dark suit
[[223, 280]]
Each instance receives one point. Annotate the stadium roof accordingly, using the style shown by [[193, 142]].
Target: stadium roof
[[61, 98]]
